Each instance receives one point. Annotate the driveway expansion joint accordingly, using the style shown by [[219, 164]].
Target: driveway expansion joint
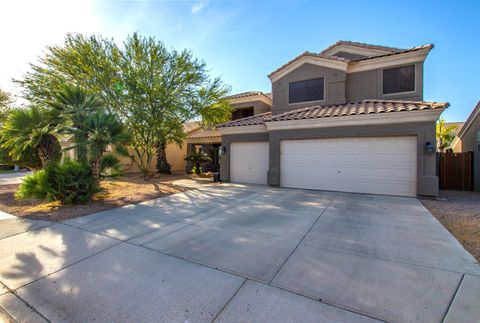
[[229, 300], [453, 297], [303, 237]]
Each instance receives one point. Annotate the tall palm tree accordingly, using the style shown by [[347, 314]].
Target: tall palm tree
[[31, 130], [98, 131], [75, 104], [445, 134]]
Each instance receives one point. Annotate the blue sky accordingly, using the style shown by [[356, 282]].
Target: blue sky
[[243, 41]]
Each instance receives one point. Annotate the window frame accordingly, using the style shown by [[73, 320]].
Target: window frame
[[403, 92], [300, 102], [243, 109]]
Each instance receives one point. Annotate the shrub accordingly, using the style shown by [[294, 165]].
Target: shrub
[[69, 182], [110, 166]]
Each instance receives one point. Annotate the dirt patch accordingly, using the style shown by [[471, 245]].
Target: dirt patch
[[459, 212], [114, 193]]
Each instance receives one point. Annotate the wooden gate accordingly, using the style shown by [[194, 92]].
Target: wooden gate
[[456, 171]]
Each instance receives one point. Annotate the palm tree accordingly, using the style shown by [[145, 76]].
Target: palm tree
[[197, 158], [98, 131], [31, 131], [75, 104], [445, 134]]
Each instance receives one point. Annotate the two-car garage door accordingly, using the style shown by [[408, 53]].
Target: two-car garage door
[[377, 165]]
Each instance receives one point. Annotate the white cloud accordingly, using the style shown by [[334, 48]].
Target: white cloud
[[197, 7]]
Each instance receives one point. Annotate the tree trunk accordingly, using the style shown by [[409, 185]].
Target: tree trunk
[[163, 167], [95, 166], [80, 150], [49, 149]]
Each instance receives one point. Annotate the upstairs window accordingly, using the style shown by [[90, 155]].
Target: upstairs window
[[242, 113], [399, 79], [303, 91]]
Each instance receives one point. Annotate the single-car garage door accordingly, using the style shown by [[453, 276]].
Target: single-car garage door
[[377, 165], [249, 162]]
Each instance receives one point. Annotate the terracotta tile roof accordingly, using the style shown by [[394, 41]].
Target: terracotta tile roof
[[258, 119], [471, 118], [190, 126], [357, 108], [364, 107], [458, 126], [204, 133], [346, 60], [247, 94], [362, 45], [310, 54], [413, 49]]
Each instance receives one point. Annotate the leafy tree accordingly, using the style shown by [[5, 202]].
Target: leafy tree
[[31, 131], [6, 104], [172, 87], [102, 130], [445, 134], [152, 89], [75, 104], [197, 158]]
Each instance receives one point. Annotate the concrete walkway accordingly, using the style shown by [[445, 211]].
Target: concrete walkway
[[233, 253], [13, 178]]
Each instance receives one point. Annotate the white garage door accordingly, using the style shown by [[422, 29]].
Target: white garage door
[[249, 162], [380, 165]]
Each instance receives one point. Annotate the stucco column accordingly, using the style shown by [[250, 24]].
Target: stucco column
[[189, 164], [476, 171], [274, 160], [427, 169]]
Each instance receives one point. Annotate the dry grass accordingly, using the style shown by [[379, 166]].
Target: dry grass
[[459, 212], [114, 193]]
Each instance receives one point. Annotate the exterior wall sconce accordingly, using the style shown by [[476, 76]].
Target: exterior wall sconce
[[222, 150], [429, 148]]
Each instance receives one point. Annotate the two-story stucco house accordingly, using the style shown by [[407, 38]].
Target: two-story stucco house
[[350, 118]]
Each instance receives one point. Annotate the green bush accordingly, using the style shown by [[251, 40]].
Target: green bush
[[110, 166], [69, 182]]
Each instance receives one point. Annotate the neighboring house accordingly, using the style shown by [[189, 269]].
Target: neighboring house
[[175, 154], [457, 126], [208, 141], [351, 118], [468, 137]]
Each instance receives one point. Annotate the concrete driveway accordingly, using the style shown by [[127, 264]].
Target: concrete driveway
[[232, 253], [14, 177]]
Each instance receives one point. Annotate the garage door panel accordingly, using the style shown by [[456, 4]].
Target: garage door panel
[[249, 162], [380, 165]]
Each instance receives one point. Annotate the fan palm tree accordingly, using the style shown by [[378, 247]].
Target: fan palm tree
[[197, 158], [98, 131], [445, 134], [31, 131], [75, 104]]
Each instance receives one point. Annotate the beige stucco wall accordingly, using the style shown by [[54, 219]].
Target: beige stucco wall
[[175, 157], [341, 87], [369, 85], [469, 139], [334, 91]]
